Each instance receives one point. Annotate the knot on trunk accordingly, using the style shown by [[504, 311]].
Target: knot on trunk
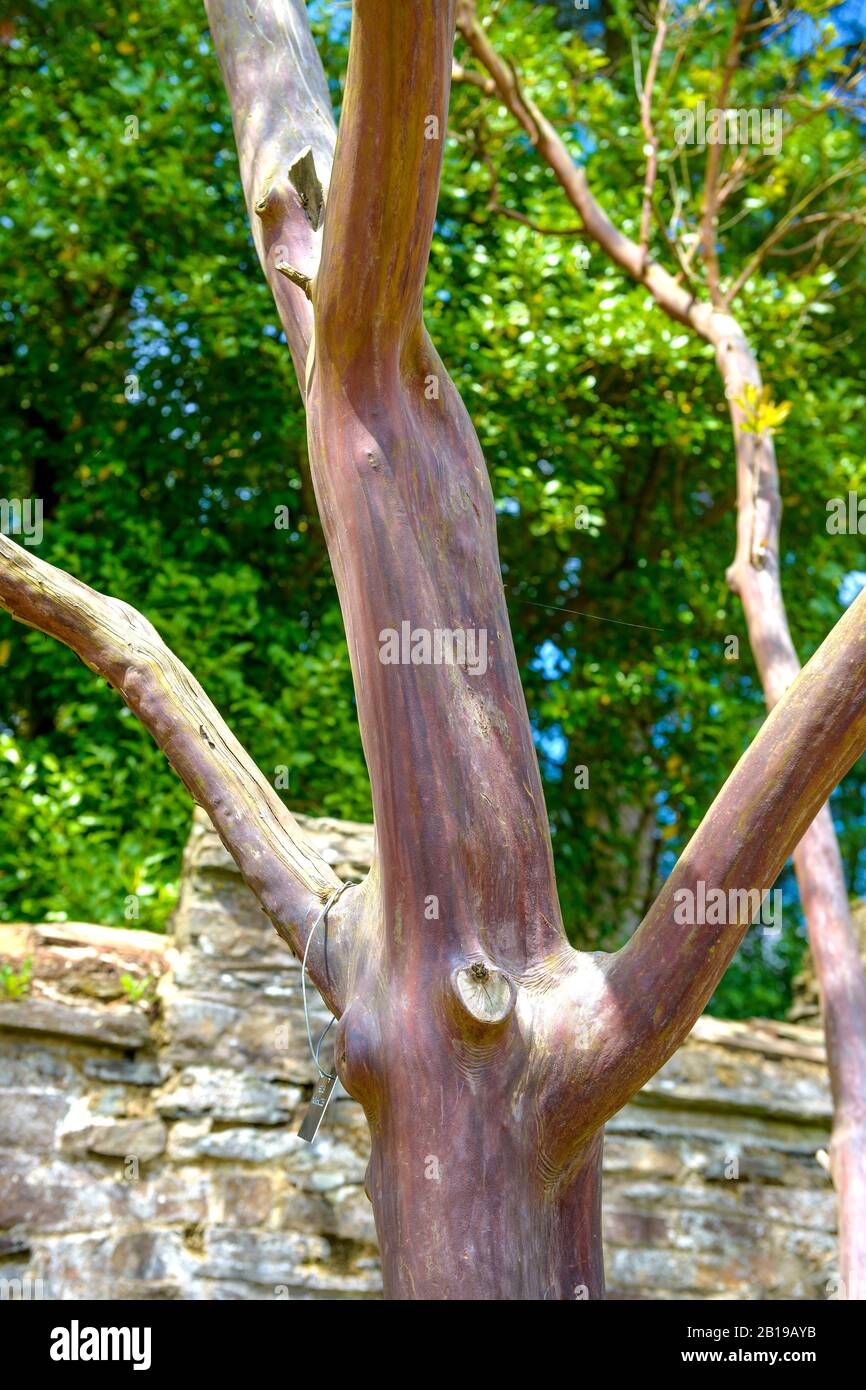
[[484, 992], [274, 203]]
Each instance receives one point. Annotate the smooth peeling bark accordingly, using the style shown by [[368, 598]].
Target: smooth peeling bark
[[486, 1052], [408, 514], [486, 1089], [486, 1152], [651, 992], [446, 1064], [280, 106], [441, 1061], [755, 577]]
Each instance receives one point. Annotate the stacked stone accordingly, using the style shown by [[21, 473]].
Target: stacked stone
[[151, 1089], [148, 1148]]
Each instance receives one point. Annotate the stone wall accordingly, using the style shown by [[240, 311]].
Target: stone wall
[[150, 1090]]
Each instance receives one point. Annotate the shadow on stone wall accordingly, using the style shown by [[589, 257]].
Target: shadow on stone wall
[[151, 1087]]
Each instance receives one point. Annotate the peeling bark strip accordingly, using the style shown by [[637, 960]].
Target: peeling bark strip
[[486, 1052], [285, 133], [754, 575]]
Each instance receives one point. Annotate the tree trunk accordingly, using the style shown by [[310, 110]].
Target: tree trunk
[[493, 1225], [465, 885], [755, 576], [487, 1054]]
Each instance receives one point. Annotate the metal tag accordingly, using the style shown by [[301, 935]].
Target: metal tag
[[318, 1105]]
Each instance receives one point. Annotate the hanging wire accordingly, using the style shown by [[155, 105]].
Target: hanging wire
[[322, 917]]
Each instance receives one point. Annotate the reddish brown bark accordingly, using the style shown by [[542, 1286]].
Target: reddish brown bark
[[408, 515], [755, 577], [486, 1052], [280, 107]]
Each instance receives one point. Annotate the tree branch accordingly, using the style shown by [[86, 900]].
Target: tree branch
[[495, 206], [652, 144], [408, 514], [679, 303], [781, 228], [288, 877], [650, 993], [709, 210], [474, 79], [285, 135], [392, 137], [655, 966]]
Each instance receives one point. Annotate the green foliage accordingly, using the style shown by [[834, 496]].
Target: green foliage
[[146, 396], [761, 415], [147, 399], [14, 984], [592, 405], [137, 989], [85, 831]]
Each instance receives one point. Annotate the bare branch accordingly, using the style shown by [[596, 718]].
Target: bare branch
[[392, 137], [654, 988], [784, 224], [652, 144], [474, 79], [296, 276], [515, 216], [501, 210], [285, 135], [288, 877], [675, 249], [678, 302], [709, 210]]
